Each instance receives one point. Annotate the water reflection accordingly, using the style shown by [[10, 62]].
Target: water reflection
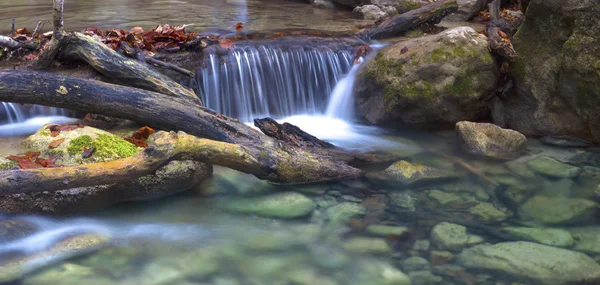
[[204, 14]]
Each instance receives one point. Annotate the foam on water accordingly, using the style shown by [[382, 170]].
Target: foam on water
[[31, 125]]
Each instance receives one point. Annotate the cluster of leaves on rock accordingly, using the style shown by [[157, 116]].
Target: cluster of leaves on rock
[[140, 136], [31, 160]]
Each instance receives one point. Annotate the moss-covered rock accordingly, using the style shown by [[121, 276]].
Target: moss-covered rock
[[558, 71], [433, 81], [406, 173], [557, 210], [106, 145], [547, 236]]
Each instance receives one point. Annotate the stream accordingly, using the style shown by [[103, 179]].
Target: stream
[[355, 232]]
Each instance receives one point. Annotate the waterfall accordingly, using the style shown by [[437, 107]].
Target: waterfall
[[17, 119], [341, 104], [260, 81]]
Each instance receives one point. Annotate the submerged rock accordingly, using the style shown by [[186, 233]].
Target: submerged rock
[[532, 262], [406, 173], [424, 277], [415, 263], [490, 140], [452, 237], [587, 239], [565, 141], [487, 212], [343, 212], [13, 229], [557, 72], [70, 247], [553, 168], [69, 274], [278, 205], [432, 81], [557, 210], [367, 245], [383, 230], [547, 236]]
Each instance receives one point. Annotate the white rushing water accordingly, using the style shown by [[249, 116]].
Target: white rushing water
[[30, 126]]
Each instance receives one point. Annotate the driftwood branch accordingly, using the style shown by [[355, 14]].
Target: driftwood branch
[[12, 28], [48, 54], [397, 25], [38, 27]]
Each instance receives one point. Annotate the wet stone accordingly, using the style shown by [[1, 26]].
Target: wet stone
[[278, 205], [415, 263], [438, 257], [384, 230], [407, 173], [452, 237], [345, 211], [424, 277], [553, 168], [367, 245], [487, 212], [557, 210], [587, 239], [548, 236]]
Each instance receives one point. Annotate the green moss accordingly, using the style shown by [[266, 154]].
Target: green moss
[[77, 144], [437, 55], [45, 132], [409, 5], [414, 34], [8, 165], [105, 146], [110, 146]]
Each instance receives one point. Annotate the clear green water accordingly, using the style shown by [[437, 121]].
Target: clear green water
[[193, 239]]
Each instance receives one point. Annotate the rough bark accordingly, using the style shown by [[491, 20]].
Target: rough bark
[[272, 165], [397, 25], [48, 54], [499, 32], [121, 69]]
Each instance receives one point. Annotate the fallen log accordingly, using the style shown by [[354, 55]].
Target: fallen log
[[500, 32], [397, 25]]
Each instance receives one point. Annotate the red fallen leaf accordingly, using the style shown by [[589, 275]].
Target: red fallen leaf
[[136, 142], [22, 31], [30, 56], [26, 164], [56, 129], [239, 26], [87, 152], [56, 143], [47, 163], [403, 50], [31, 156], [137, 30], [143, 133]]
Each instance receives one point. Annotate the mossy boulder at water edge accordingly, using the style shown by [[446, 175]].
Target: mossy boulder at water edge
[[431, 81], [106, 145], [557, 73], [489, 140]]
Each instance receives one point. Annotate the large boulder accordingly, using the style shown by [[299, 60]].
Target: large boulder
[[532, 263], [431, 81], [490, 140], [557, 73]]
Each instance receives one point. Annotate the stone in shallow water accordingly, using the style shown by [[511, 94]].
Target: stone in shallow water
[[415, 263], [487, 212], [383, 230], [557, 210], [367, 245], [452, 237], [532, 262], [565, 141], [67, 248], [553, 237], [381, 273], [424, 277], [553, 168], [69, 274], [444, 198], [343, 212], [13, 229], [406, 173], [489, 140], [587, 239], [278, 205]]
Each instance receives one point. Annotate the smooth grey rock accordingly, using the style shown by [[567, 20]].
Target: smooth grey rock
[[489, 140], [415, 263], [587, 239], [532, 262], [547, 236], [278, 205], [557, 210], [553, 168], [452, 237]]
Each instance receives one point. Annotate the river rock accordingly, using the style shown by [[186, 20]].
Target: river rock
[[407, 173], [444, 198], [565, 141], [69, 274], [14, 268], [369, 12], [415, 263], [467, 9], [557, 210], [423, 277], [279, 205], [14, 229], [380, 273], [367, 245], [175, 177], [532, 263], [487, 212], [557, 72], [323, 4], [342, 212], [489, 140], [587, 239], [452, 237], [384, 230], [547, 236], [553, 168], [432, 81]]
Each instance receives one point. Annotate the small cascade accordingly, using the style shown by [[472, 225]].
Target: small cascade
[[18, 119], [341, 103], [260, 81]]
